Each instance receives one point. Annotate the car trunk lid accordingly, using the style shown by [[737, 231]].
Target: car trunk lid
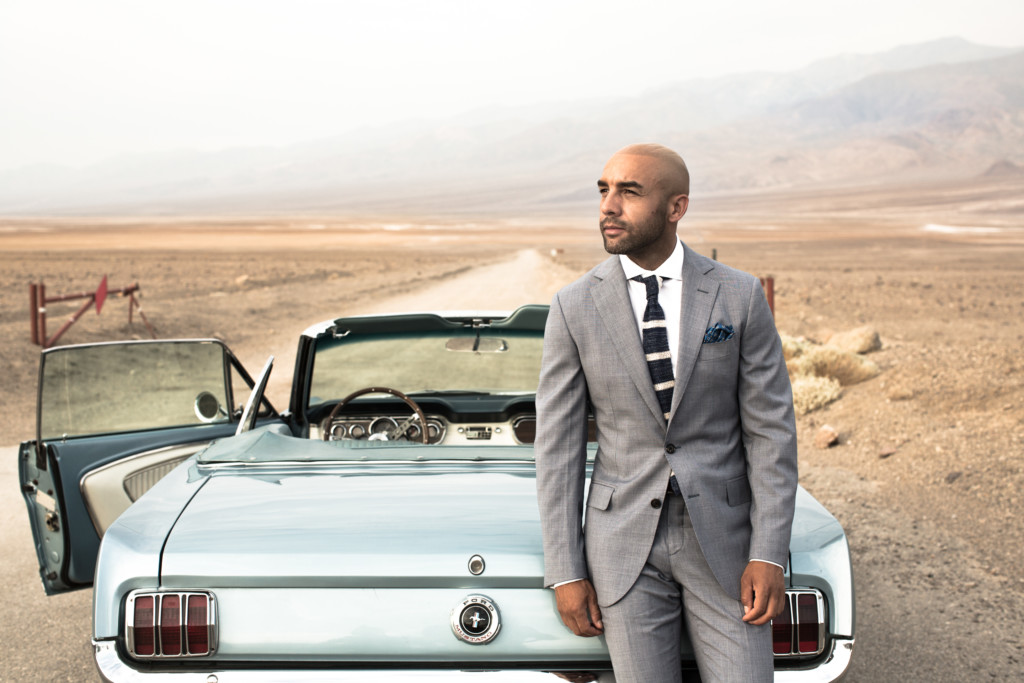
[[390, 524]]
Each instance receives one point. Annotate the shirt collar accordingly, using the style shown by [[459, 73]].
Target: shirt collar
[[672, 267]]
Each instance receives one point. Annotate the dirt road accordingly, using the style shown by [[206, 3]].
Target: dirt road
[[47, 639]]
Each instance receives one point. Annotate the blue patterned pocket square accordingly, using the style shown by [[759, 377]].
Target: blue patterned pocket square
[[718, 333]]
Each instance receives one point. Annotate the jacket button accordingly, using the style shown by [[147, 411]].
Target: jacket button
[[656, 503], [670, 448]]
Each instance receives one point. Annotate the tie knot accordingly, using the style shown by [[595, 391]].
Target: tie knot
[[651, 282]]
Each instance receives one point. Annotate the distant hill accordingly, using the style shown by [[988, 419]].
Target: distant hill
[[1004, 169], [943, 109]]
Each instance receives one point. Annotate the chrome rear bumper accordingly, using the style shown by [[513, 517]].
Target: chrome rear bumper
[[116, 670]]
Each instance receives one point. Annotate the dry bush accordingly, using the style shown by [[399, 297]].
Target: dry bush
[[793, 347], [859, 340], [811, 393], [824, 361]]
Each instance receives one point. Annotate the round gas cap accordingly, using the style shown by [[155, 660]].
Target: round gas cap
[[476, 620]]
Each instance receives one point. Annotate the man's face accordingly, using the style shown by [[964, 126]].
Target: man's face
[[634, 207]]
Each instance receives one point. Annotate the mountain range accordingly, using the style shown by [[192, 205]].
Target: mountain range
[[942, 110]]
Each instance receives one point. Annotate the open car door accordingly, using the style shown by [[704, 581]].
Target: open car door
[[112, 419]]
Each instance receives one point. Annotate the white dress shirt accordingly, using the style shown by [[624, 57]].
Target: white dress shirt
[[670, 276]]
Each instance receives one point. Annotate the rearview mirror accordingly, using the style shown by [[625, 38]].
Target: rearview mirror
[[477, 344]]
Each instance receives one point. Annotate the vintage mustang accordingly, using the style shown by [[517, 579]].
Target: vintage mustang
[[384, 527]]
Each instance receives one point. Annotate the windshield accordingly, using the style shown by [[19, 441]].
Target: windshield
[[484, 360]]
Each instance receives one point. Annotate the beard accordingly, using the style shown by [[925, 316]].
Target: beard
[[635, 236]]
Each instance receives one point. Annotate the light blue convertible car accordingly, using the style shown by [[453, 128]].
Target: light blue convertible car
[[384, 527]]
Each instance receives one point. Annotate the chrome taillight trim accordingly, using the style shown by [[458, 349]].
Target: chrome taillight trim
[[158, 597], [792, 596]]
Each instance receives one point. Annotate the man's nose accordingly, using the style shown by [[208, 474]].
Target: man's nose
[[609, 204]]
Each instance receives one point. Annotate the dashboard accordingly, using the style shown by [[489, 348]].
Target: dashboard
[[451, 421]]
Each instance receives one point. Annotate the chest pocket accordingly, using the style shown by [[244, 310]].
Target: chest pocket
[[717, 350]]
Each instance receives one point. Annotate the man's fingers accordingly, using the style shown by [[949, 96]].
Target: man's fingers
[[756, 613], [577, 604], [595, 611], [762, 591], [746, 592]]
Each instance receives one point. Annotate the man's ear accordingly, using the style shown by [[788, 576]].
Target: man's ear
[[677, 207]]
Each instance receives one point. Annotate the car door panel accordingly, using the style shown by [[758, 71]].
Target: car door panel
[[113, 419]]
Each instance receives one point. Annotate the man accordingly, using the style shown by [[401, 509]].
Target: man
[[691, 498]]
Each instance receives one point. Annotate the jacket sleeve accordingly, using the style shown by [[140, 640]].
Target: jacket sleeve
[[560, 451], [769, 432]]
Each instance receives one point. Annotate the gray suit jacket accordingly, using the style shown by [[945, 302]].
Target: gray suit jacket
[[731, 437]]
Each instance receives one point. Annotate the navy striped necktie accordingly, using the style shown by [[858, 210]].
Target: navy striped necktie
[[655, 338]]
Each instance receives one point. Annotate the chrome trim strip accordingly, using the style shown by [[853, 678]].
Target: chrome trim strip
[[115, 670], [288, 465], [136, 342]]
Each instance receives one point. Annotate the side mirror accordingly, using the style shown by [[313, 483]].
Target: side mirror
[[207, 408]]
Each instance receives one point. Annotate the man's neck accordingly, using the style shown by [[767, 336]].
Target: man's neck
[[651, 258]]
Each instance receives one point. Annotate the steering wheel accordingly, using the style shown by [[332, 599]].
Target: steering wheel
[[325, 426]]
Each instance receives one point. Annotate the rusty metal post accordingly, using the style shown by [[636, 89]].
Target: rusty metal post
[[41, 310], [70, 321], [135, 303], [33, 303], [769, 292], [37, 295]]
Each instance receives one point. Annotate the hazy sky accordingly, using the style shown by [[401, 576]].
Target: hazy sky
[[81, 81]]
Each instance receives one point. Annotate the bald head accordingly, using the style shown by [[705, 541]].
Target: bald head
[[644, 194], [669, 166]]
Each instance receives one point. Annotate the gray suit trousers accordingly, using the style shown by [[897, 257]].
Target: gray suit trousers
[[643, 629]]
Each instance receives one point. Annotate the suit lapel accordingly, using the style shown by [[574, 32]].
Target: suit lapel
[[698, 300], [612, 302]]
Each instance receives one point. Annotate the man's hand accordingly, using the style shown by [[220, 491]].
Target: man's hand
[[762, 592], [577, 603]]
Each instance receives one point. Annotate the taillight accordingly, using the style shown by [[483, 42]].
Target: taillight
[[199, 625], [800, 630], [170, 624], [809, 624], [145, 626], [782, 631]]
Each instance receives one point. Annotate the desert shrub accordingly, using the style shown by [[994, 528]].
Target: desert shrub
[[825, 361], [859, 340], [792, 347], [811, 393]]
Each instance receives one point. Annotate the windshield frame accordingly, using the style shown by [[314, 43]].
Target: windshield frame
[[525, 323]]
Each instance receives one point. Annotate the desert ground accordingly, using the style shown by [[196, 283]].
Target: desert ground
[[926, 476]]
